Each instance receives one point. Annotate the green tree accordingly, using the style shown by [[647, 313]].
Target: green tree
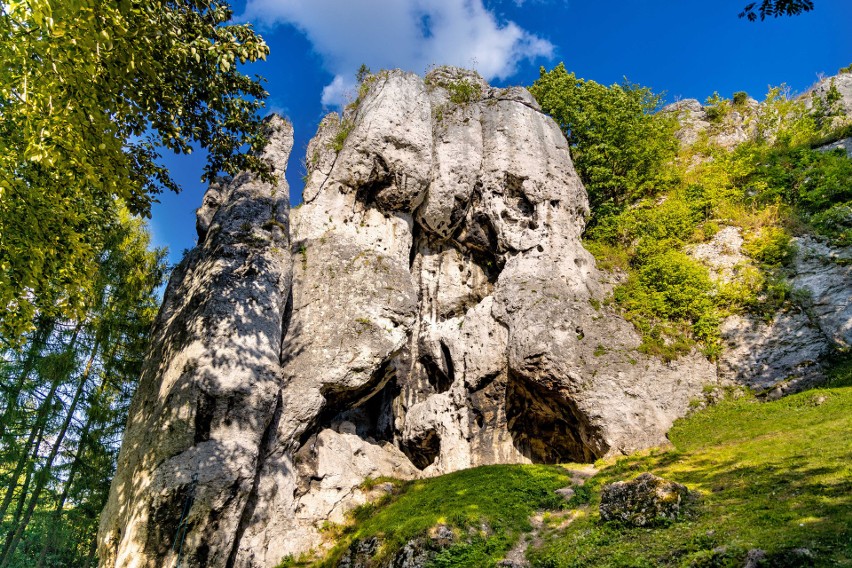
[[63, 420], [90, 92], [620, 147]]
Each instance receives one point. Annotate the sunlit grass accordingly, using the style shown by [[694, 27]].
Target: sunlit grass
[[487, 508], [775, 476]]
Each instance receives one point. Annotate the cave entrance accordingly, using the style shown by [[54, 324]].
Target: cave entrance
[[545, 428], [368, 408], [441, 375], [423, 450]]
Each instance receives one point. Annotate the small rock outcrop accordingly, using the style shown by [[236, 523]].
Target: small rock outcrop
[[787, 352], [841, 84], [697, 121], [645, 501], [429, 308]]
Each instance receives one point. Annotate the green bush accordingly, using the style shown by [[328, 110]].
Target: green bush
[[817, 185], [716, 108], [836, 221], [770, 246], [671, 300], [463, 91], [677, 286], [650, 202], [342, 134], [740, 98]]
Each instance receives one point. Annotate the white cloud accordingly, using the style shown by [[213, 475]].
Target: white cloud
[[410, 34], [339, 91]]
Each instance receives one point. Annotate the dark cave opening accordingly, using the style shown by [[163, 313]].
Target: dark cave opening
[[368, 408], [203, 420], [514, 188], [545, 427], [440, 375], [423, 450], [380, 178]]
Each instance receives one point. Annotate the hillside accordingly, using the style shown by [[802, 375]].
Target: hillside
[[773, 476]]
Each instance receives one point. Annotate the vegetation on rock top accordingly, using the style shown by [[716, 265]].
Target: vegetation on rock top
[[652, 200]]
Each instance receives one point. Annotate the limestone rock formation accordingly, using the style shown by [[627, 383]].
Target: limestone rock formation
[[742, 121], [787, 353], [428, 308], [199, 425], [842, 83], [844, 143], [726, 131]]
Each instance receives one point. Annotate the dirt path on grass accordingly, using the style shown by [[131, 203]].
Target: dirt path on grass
[[558, 520]]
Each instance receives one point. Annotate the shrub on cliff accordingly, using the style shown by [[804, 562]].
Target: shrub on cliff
[[651, 202], [619, 146]]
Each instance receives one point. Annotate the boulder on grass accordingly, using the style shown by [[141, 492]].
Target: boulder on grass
[[646, 501]]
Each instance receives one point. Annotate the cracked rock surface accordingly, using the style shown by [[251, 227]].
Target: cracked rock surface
[[788, 353], [429, 308]]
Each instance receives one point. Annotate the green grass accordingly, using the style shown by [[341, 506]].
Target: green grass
[[487, 507], [463, 91], [775, 476], [339, 139]]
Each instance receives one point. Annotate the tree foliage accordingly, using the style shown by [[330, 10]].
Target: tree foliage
[[90, 92], [653, 203], [619, 146], [775, 9]]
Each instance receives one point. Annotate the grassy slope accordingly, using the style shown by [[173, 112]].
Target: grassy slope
[[495, 501], [774, 476]]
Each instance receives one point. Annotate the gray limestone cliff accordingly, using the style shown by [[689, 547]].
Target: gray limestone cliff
[[430, 307]]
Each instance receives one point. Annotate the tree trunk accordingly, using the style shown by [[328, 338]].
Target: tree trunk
[[56, 516], [25, 461], [43, 331], [37, 430]]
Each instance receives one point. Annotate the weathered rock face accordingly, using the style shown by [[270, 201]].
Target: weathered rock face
[[845, 144], [429, 308], [696, 121], [788, 352], [742, 122], [842, 84]]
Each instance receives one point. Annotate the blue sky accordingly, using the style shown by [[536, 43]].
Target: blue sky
[[685, 48]]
